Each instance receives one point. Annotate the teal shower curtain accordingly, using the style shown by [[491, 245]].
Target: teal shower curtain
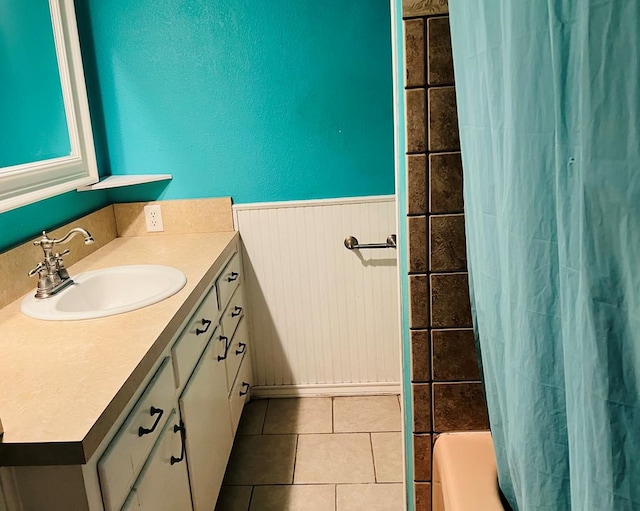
[[549, 111]]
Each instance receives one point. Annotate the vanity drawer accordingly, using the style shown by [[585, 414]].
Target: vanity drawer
[[128, 450], [233, 314], [228, 280], [187, 349], [240, 392], [237, 349]]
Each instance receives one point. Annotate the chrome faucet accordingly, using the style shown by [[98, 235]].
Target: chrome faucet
[[53, 277]]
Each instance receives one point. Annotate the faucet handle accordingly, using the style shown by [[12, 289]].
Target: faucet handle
[[44, 240], [35, 270], [62, 271]]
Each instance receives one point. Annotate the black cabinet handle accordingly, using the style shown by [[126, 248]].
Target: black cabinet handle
[[183, 435], [206, 323], [234, 276], [236, 311], [226, 348], [245, 387], [243, 348], [154, 411]]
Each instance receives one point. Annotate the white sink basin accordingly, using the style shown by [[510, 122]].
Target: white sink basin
[[100, 293]]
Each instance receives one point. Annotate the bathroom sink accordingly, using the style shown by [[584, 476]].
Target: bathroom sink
[[100, 293]]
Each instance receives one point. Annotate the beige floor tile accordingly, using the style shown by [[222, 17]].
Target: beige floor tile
[[387, 456], [234, 498], [252, 418], [366, 413], [319, 497], [370, 497], [337, 458], [261, 459], [303, 415]]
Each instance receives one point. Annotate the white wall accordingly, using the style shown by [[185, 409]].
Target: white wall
[[324, 319]]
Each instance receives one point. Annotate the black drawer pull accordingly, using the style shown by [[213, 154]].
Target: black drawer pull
[[154, 411], [242, 348], [206, 323], [245, 387], [226, 348], [236, 311], [179, 428], [234, 276]]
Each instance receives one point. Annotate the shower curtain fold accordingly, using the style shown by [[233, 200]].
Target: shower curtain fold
[[549, 112]]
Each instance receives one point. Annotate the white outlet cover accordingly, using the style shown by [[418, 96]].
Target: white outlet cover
[[153, 218]]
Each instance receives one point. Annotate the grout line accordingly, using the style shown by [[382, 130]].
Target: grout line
[[373, 459], [295, 460], [343, 432], [451, 328], [428, 152], [431, 356], [264, 419], [287, 434], [430, 85], [333, 418], [427, 86], [299, 484], [250, 498], [454, 382], [335, 496], [422, 215]]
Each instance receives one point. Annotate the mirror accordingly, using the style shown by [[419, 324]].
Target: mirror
[[34, 124], [46, 145]]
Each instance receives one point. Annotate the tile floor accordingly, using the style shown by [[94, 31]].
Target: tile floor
[[316, 454]]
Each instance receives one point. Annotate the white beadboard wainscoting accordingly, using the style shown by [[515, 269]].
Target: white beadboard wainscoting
[[324, 319]]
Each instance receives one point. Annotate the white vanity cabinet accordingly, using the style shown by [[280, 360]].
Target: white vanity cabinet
[[234, 328], [188, 348], [238, 364], [240, 393], [204, 409], [196, 440], [163, 485], [128, 451], [163, 440], [238, 348], [228, 280]]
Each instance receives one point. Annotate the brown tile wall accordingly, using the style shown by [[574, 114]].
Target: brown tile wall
[[447, 393]]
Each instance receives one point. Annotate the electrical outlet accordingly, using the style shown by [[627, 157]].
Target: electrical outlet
[[153, 217]]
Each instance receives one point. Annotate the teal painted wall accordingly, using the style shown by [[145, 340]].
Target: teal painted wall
[[262, 101], [20, 225], [33, 124]]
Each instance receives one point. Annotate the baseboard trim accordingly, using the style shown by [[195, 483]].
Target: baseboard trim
[[325, 390]]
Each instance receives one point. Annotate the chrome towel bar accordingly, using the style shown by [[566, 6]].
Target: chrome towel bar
[[351, 242]]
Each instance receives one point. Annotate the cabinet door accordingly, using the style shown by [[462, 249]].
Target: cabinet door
[[129, 449], [229, 280], [163, 484], [240, 392], [205, 412], [239, 344]]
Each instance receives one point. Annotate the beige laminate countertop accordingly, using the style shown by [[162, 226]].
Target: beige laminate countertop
[[63, 384]]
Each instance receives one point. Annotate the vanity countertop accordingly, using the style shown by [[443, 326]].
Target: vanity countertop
[[64, 383]]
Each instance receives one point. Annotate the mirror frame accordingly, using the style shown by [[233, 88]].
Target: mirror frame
[[31, 182]]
